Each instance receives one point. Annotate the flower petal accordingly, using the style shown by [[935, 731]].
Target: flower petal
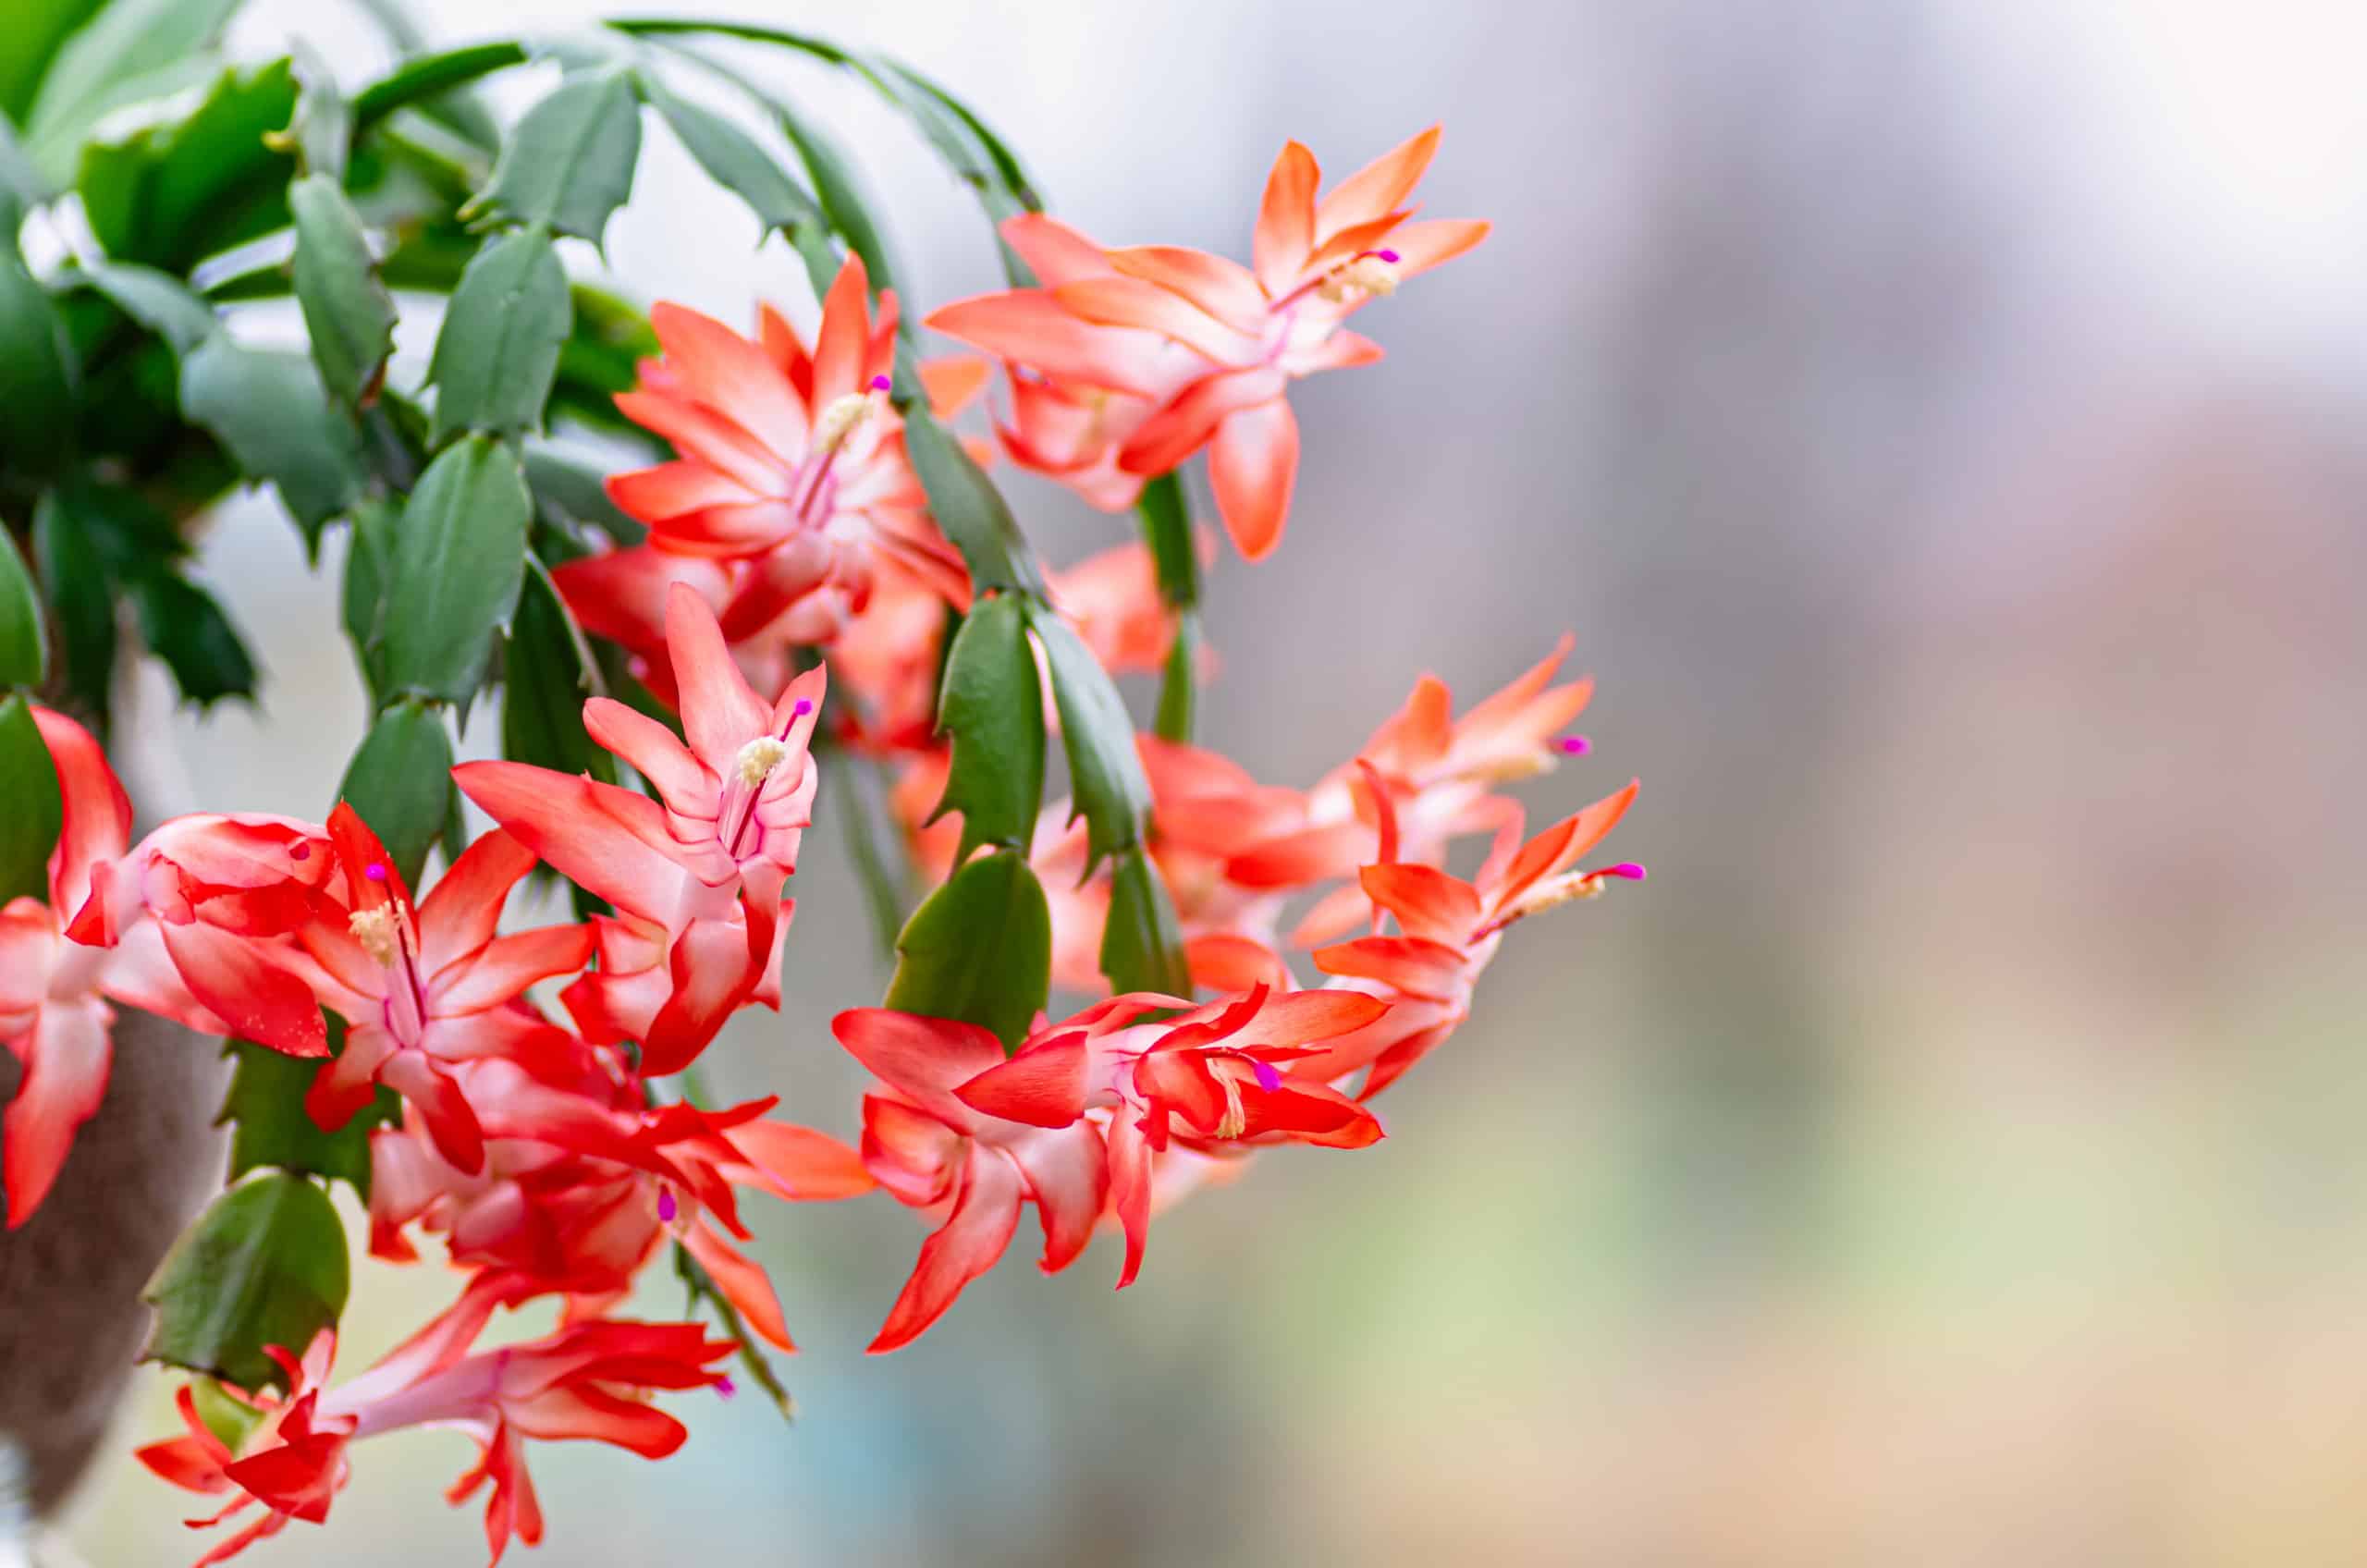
[[66, 1061], [923, 1058], [1221, 288], [460, 912], [506, 966], [1120, 301], [969, 1244], [1285, 220], [732, 375], [720, 712], [1253, 463], [1376, 188], [1028, 326], [260, 1001], [842, 344]]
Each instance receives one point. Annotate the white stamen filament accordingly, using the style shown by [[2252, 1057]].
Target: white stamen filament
[[757, 759], [1362, 275], [1228, 1073], [840, 418], [376, 930]]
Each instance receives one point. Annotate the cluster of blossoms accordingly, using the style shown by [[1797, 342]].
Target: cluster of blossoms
[[795, 592]]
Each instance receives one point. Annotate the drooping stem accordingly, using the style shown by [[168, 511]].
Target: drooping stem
[[1166, 529]]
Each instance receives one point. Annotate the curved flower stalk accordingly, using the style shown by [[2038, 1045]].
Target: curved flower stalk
[[1128, 362]]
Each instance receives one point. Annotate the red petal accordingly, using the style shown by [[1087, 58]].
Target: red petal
[[1253, 463], [842, 344], [743, 1284], [720, 712], [730, 374], [460, 912], [1028, 326], [66, 1061], [1285, 230], [968, 1244], [1377, 189], [1222, 288], [653, 494], [259, 1000], [1120, 301], [925, 1059], [1044, 1085], [1427, 902]]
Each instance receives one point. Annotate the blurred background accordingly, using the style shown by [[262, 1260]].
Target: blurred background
[[1941, 423]]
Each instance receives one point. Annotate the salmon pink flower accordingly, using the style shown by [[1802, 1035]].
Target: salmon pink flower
[[420, 985], [936, 1154], [58, 973], [697, 880], [779, 445], [1449, 932], [589, 1380], [581, 1186], [1253, 330], [1213, 1075], [1242, 847]]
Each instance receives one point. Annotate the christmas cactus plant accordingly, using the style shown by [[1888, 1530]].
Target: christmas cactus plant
[[722, 579]]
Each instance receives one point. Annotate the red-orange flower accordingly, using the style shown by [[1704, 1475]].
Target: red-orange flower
[[1251, 330]]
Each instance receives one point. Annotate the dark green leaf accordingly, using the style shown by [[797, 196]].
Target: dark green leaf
[[979, 949], [186, 629], [127, 51], [963, 500], [171, 194], [269, 409], [430, 76], [835, 187], [1105, 774], [157, 301], [993, 707], [28, 783], [369, 549], [24, 640], [36, 370], [264, 1266], [401, 780], [35, 29], [500, 345], [601, 357], [1142, 948], [270, 1127], [74, 576], [458, 555], [346, 312], [733, 160], [546, 672], [568, 162]]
